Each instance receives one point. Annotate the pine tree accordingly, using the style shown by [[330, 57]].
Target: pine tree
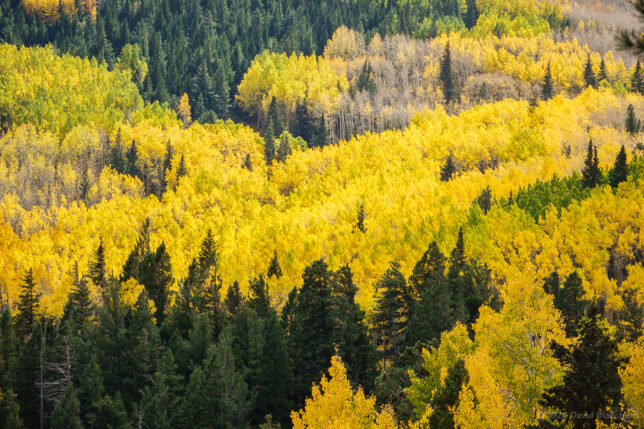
[[603, 74], [9, 406], [589, 74], [28, 306], [181, 169], [284, 149], [593, 361], [391, 313], [97, 271], [471, 15], [446, 398], [448, 170], [132, 157], [321, 137], [591, 174], [351, 338], [365, 80], [304, 123], [110, 414], [637, 81], [10, 410], [274, 268], [359, 225], [118, 161], [275, 118], [248, 164], [547, 87], [66, 413], [234, 299], [446, 76], [217, 395], [84, 185], [155, 274], [83, 308], [428, 272], [633, 125], [619, 172], [156, 403], [484, 200], [311, 332], [568, 299], [28, 372], [269, 141]]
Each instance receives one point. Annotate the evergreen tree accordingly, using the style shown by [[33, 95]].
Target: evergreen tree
[[446, 398], [593, 361], [84, 186], [603, 74], [311, 332], [117, 160], [65, 414], [274, 268], [547, 86], [304, 123], [9, 406], [10, 410], [234, 299], [447, 78], [156, 404], [591, 174], [568, 299], [82, 305], [637, 81], [391, 313], [181, 169], [284, 149], [28, 375], [484, 200], [155, 274], [275, 118], [360, 219], [110, 414], [633, 125], [28, 306], [448, 170], [269, 141], [321, 137], [97, 271], [216, 395], [471, 15], [428, 272], [132, 157], [619, 172], [352, 340], [248, 164], [365, 79], [589, 74]]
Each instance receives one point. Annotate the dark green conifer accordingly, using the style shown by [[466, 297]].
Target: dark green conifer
[[619, 172], [448, 170], [603, 74], [97, 271], [547, 86], [359, 225], [28, 375], [591, 174], [275, 118], [446, 399], [484, 200], [633, 125], [66, 413], [110, 414], [447, 78], [471, 15], [28, 307], [234, 299], [589, 74], [637, 81], [274, 268]]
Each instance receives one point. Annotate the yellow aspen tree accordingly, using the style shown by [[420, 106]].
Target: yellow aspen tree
[[184, 110]]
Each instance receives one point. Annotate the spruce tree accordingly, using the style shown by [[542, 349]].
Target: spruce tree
[[359, 225], [132, 157], [283, 149], [591, 174], [446, 398], [471, 15], [155, 274], [83, 308], [304, 123], [321, 138], [110, 414], [311, 332], [274, 268], [28, 372], [353, 344], [593, 361], [234, 299], [637, 81], [547, 86], [428, 272], [9, 406], [446, 76], [66, 413], [391, 314], [633, 125], [275, 118], [603, 74], [589, 74], [269, 141], [156, 404], [248, 164], [484, 200], [97, 271], [448, 170], [619, 172], [28, 306], [568, 299], [365, 79]]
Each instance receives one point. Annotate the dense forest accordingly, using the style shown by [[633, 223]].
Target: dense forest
[[337, 214]]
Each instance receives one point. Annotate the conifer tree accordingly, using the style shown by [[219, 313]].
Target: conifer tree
[[446, 398], [351, 338], [28, 306], [132, 157], [84, 185], [365, 79], [428, 272], [66, 413], [82, 305], [637, 81], [589, 74], [274, 268], [484, 200], [359, 225], [156, 404], [471, 15], [619, 172], [593, 361], [269, 141], [603, 74], [275, 118], [8, 351], [283, 149], [155, 274], [448, 170], [110, 414], [591, 174], [547, 86], [321, 137], [28, 374], [97, 271], [304, 123], [234, 299], [391, 314], [311, 332], [248, 164], [633, 125], [446, 76], [568, 299], [181, 169]]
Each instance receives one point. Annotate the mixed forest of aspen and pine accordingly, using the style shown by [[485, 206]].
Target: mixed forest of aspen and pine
[[321, 214]]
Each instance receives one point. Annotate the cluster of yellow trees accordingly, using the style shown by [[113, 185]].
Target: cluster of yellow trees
[[305, 208], [49, 10]]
